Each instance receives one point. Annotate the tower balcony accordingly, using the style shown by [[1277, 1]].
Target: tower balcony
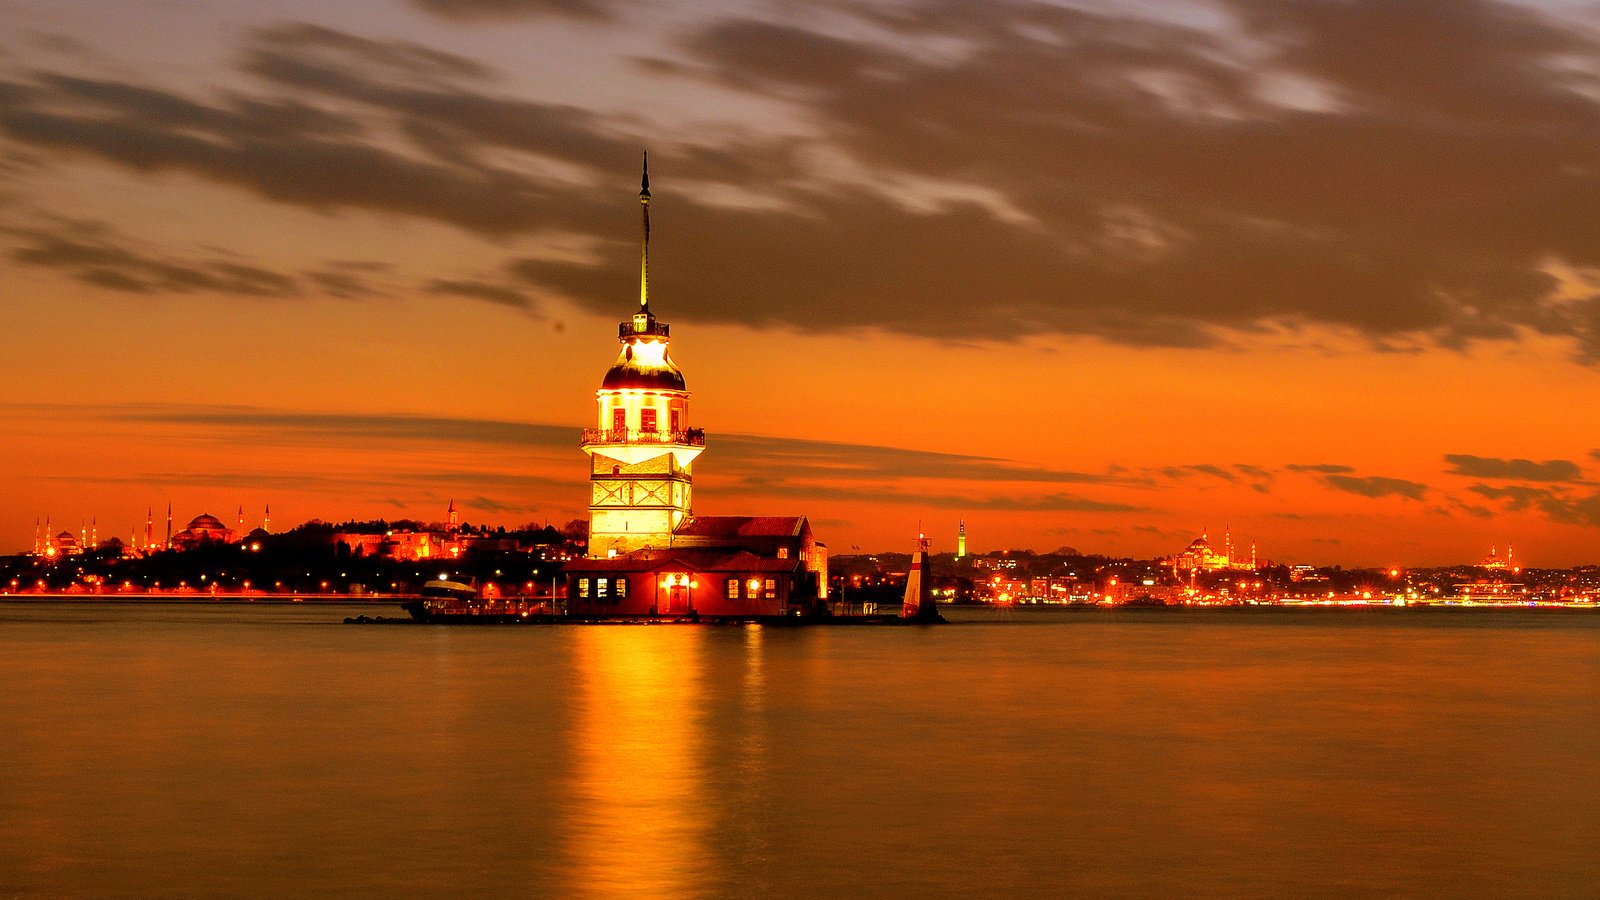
[[643, 327], [688, 437]]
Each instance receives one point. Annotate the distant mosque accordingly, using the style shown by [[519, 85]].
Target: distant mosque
[[1495, 562], [203, 530], [1201, 556], [648, 553]]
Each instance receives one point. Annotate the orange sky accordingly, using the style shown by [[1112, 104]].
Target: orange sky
[[356, 268]]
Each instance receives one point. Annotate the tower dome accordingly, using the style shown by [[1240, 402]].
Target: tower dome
[[644, 364]]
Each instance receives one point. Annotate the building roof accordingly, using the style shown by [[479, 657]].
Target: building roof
[[743, 526], [695, 560], [645, 365], [204, 522]]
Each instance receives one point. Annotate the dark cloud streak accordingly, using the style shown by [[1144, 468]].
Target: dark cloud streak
[[1513, 469]]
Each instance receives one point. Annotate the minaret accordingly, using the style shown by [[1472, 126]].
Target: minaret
[[149, 528], [642, 450], [241, 520], [961, 540], [94, 531], [38, 541], [169, 524], [266, 519]]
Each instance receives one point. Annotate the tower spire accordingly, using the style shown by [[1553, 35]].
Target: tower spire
[[644, 250]]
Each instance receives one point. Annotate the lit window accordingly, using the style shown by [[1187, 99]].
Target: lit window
[[733, 588], [772, 588], [583, 587], [647, 419], [600, 585], [677, 421], [783, 552], [619, 419], [622, 587]]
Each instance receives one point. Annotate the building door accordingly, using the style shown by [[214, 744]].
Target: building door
[[677, 600]]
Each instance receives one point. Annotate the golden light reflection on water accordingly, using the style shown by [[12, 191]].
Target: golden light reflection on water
[[635, 821]]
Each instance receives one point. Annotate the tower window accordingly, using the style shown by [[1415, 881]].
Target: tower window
[[619, 419], [647, 420]]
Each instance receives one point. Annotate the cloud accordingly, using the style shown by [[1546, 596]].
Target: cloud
[[1513, 469], [95, 254], [1147, 182], [345, 281], [881, 494], [1376, 486], [1257, 478], [490, 10], [764, 465], [764, 461], [1321, 468], [481, 290], [1194, 180], [322, 137], [1554, 503]]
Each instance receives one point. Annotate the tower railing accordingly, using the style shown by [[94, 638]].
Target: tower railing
[[627, 330], [691, 437]]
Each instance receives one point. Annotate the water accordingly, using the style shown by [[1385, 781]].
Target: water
[[155, 750]]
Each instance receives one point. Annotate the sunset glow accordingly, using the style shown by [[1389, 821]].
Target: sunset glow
[[1324, 274]]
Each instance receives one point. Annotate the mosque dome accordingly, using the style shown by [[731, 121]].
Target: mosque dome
[[206, 523]]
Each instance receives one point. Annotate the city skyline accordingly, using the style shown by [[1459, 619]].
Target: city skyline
[[354, 267]]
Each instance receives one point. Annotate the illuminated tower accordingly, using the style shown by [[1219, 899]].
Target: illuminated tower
[[241, 519], [266, 518], [169, 524], [453, 516], [642, 448], [961, 540], [38, 539], [149, 528]]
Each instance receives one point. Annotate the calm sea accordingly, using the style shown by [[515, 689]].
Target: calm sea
[[158, 750]]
